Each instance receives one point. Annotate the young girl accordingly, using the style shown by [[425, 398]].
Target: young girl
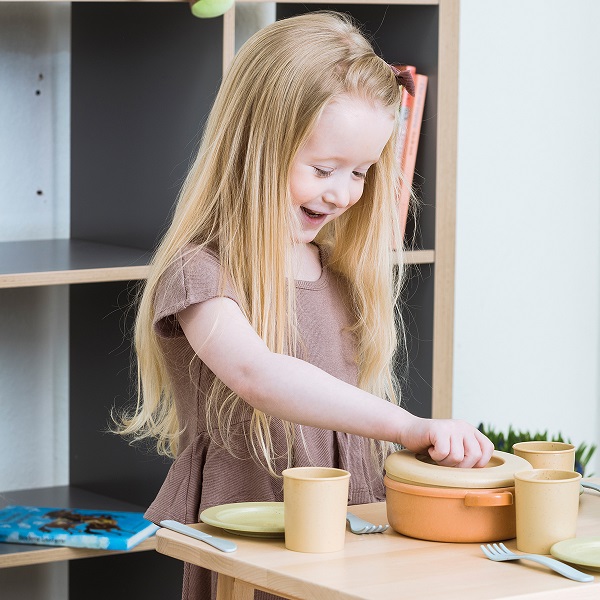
[[266, 332]]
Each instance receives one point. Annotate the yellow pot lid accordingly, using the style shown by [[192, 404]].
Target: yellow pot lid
[[406, 467]]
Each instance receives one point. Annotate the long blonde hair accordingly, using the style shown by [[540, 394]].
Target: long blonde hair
[[236, 198]]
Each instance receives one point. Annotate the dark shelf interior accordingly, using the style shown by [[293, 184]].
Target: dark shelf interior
[[143, 78]]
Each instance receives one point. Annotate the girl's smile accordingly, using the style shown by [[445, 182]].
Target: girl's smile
[[329, 171], [314, 218]]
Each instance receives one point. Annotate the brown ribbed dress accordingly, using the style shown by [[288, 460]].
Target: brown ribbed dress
[[204, 474]]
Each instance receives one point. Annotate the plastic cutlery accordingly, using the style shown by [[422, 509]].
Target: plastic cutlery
[[215, 542], [359, 526], [591, 486], [500, 552]]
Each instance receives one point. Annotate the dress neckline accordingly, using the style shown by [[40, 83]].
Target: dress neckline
[[317, 284]]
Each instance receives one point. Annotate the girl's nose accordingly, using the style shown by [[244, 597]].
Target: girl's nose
[[339, 196]]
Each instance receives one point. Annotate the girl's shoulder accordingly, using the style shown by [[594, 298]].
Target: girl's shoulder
[[193, 265], [193, 253], [193, 276]]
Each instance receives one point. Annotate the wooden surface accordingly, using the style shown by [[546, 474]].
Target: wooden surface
[[419, 257], [23, 554], [383, 566], [57, 262], [445, 209], [61, 261]]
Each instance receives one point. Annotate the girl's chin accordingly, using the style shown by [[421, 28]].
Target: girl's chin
[[307, 232], [305, 237]]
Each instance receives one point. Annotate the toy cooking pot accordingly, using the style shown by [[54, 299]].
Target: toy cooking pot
[[447, 504]]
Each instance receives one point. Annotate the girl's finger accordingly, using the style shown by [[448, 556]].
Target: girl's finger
[[487, 449], [449, 451], [472, 452]]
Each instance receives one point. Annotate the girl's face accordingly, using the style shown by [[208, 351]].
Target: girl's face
[[328, 173]]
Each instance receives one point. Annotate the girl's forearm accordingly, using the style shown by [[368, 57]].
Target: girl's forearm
[[294, 390]]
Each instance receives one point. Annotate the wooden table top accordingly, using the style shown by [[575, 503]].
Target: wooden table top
[[386, 566]]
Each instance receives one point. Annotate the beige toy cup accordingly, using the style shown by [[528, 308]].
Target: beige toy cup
[[547, 455], [315, 504], [547, 504]]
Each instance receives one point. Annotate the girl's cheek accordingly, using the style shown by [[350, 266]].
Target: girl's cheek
[[358, 195]]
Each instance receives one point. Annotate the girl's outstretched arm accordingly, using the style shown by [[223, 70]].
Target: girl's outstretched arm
[[294, 390]]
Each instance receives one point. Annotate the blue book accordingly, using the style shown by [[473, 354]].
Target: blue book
[[74, 527]]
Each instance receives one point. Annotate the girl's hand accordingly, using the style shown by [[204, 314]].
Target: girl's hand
[[448, 442]]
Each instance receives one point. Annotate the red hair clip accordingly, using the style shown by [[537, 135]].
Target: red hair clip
[[404, 78]]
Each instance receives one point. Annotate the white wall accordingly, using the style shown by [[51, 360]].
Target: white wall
[[527, 330], [34, 112]]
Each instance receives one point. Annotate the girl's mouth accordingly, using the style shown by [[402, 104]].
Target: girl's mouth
[[313, 215]]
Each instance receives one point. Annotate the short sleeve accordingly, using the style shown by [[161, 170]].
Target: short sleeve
[[193, 277]]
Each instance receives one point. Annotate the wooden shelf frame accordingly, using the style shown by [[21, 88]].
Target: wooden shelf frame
[[75, 261], [58, 262], [24, 555], [66, 261], [63, 262]]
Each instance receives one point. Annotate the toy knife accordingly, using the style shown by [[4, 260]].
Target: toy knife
[[215, 542], [589, 485]]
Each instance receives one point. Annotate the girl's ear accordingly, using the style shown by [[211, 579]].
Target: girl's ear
[[206, 9]]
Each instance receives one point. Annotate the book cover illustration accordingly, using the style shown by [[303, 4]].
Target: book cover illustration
[[74, 527]]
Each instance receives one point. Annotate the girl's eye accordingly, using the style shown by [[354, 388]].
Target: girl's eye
[[359, 174], [322, 172]]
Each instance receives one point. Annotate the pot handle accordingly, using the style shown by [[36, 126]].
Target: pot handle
[[499, 499]]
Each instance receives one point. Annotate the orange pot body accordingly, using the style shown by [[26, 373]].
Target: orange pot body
[[451, 514]]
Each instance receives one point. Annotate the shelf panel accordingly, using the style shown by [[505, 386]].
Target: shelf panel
[[419, 257], [15, 555], [18, 555], [56, 262]]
